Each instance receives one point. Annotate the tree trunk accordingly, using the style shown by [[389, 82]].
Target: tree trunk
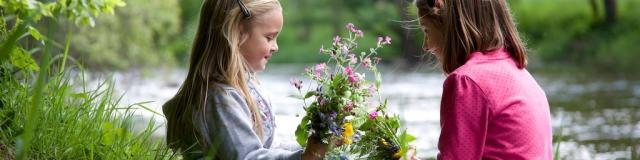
[[594, 9], [610, 9]]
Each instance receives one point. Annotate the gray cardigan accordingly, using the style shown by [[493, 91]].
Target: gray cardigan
[[229, 126]]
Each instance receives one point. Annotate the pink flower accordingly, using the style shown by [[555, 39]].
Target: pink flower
[[353, 78], [352, 58], [319, 68], [387, 40], [345, 49], [372, 89], [348, 71], [373, 115], [348, 107], [336, 40], [351, 27], [296, 83], [359, 33], [384, 40], [366, 62]]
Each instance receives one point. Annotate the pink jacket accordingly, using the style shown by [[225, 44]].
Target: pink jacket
[[490, 109]]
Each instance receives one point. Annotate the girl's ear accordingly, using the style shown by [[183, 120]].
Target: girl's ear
[[244, 33]]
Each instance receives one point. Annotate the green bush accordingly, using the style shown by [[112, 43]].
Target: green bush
[[141, 34], [568, 32]]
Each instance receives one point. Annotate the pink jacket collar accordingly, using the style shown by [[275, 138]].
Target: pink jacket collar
[[496, 54]]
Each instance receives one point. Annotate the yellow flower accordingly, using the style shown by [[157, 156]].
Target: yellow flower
[[346, 141], [348, 130]]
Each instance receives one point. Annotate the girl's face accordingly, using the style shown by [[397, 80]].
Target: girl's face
[[261, 42], [432, 37]]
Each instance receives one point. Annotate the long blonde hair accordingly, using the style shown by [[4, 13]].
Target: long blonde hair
[[215, 58], [473, 25]]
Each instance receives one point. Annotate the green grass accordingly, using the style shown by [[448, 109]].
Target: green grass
[[54, 115]]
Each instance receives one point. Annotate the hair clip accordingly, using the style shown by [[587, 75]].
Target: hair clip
[[431, 3], [244, 9]]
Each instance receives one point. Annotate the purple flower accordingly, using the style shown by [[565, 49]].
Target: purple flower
[[357, 136], [336, 40], [352, 58], [366, 62], [380, 40], [373, 115], [322, 49], [334, 129], [296, 83]]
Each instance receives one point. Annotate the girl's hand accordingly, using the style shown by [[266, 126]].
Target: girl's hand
[[411, 153], [314, 150]]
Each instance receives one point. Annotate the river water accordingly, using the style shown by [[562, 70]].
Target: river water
[[594, 116]]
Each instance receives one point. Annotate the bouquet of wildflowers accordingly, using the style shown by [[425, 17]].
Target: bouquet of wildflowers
[[341, 112]]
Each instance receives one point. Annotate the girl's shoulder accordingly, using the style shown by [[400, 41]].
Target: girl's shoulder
[[223, 89]]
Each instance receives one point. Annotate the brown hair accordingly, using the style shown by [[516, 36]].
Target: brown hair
[[472, 25], [215, 58]]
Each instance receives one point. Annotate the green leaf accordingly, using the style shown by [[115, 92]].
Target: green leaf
[[310, 94], [367, 125], [296, 96], [359, 121], [109, 134], [23, 60], [405, 137], [301, 132], [35, 34]]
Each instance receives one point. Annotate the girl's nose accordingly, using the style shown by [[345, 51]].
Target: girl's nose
[[274, 48], [425, 46]]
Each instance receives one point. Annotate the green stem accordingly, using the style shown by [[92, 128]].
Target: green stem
[[37, 102]]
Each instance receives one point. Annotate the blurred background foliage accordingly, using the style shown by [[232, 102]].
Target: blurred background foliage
[[567, 32]]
